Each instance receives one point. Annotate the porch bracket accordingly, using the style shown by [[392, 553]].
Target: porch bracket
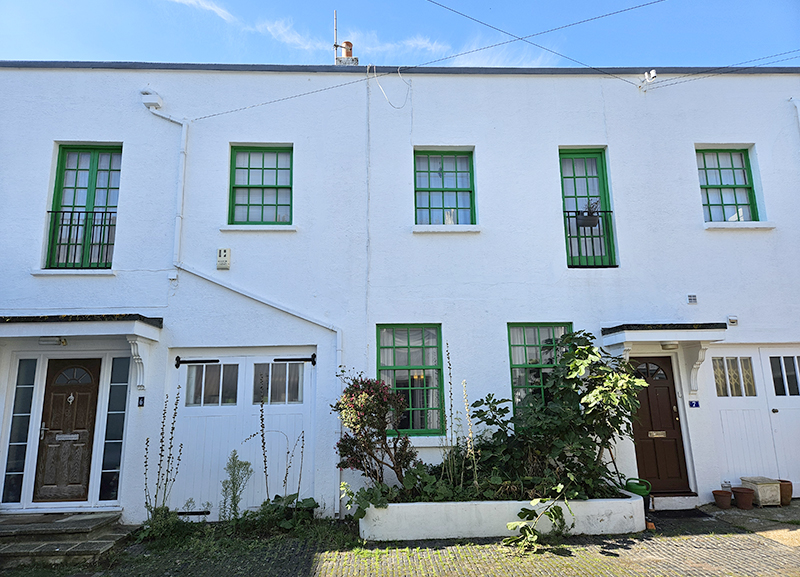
[[137, 352], [695, 354]]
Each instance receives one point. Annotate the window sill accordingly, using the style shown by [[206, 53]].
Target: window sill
[[746, 225], [435, 442], [445, 228], [72, 272], [258, 228]]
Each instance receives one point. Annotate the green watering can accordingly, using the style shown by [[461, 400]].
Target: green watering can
[[639, 487]]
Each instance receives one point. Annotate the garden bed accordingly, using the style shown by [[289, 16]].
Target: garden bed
[[453, 520]]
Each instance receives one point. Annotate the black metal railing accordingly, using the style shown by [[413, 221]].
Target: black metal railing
[[81, 239], [590, 239]]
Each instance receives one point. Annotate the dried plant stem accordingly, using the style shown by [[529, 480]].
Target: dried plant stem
[[263, 437], [470, 436]]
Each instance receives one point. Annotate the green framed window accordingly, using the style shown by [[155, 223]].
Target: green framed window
[[533, 353], [444, 189], [84, 216], [588, 224], [726, 186], [410, 361], [261, 185]]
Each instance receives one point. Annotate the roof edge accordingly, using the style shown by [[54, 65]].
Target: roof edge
[[316, 68]]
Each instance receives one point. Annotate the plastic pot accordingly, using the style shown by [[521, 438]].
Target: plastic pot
[[744, 497], [722, 499]]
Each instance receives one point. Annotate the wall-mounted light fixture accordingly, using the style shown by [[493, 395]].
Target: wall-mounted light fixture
[[669, 345], [53, 341]]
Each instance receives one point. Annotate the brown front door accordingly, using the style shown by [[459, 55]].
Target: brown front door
[[67, 430], [657, 429]]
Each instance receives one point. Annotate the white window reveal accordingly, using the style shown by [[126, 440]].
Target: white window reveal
[[211, 385], [733, 376], [278, 383]]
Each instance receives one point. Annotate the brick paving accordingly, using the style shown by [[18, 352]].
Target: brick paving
[[686, 547], [682, 547]]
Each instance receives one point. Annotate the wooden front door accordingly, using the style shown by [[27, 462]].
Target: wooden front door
[[657, 429], [67, 430]]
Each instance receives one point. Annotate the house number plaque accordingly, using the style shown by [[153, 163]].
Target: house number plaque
[[67, 437], [656, 434]]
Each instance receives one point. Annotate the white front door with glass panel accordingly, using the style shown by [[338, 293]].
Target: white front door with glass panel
[[260, 407], [782, 371]]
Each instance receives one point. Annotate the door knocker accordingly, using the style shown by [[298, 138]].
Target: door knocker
[[70, 398]]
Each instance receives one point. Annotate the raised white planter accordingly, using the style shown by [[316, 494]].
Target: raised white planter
[[411, 521]]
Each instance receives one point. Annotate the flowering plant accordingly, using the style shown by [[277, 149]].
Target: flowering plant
[[371, 411]]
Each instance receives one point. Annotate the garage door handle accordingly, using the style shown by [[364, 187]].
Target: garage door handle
[[774, 410]]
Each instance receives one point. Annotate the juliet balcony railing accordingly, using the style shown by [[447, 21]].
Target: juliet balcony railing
[[589, 244], [81, 239]]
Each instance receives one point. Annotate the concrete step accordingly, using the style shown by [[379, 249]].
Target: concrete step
[[53, 527], [78, 540]]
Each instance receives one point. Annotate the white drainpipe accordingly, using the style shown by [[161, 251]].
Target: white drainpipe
[[796, 103], [153, 102]]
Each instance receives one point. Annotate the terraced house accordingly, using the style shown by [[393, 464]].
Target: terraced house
[[238, 233]]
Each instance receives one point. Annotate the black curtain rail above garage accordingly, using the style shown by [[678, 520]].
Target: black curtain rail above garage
[[312, 359], [179, 361]]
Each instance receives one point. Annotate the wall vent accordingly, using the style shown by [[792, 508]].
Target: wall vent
[[691, 299]]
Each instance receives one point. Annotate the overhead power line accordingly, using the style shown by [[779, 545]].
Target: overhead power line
[[526, 38], [723, 70], [450, 57]]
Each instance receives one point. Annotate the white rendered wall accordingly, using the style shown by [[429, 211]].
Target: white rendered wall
[[352, 259]]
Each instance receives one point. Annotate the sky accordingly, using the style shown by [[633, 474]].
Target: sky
[[407, 33]]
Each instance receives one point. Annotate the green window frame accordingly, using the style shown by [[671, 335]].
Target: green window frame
[[410, 361], [444, 187], [532, 353], [261, 185], [726, 185], [84, 216], [589, 234]]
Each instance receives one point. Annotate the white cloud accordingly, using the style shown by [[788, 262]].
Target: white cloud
[[365, 43], [514, 54], [208, 5], [283, 31]]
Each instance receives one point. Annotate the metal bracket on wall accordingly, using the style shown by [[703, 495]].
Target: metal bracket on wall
[[312, 359], [179, 361]]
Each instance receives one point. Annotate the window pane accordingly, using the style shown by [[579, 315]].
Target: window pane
[[119, 369], [230, 381], [747, 377], [278, 387], [734, 380], [117, 397], [261, 383], [22, 400], [295, 384], [194, 385], [791, 376], [777, 376], [112, 455], [114, 427], [109, 485], [211, 390]]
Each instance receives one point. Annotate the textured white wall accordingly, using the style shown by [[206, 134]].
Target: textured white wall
[[353, 260]]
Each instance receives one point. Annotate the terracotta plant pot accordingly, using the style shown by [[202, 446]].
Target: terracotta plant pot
[[786, 492], [744, 497], [722, 499]]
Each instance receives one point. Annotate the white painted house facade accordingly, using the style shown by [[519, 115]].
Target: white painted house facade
[[240, 232]]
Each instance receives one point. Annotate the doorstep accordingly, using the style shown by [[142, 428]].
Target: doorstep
[[58, 537]]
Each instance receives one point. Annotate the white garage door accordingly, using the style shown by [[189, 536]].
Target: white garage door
[[221, 410]]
